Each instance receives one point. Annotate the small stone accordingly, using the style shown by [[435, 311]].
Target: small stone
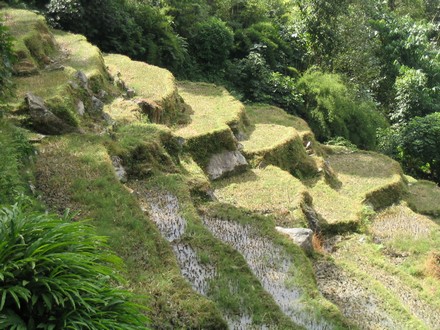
[[119, 169], [97, 105], [226, 162], [130, 93], [82, 78], [300, 236], [80, 109]]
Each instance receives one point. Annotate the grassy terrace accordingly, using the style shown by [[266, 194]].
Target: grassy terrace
[[76, 172], [395, 262], [214, 109], [280, 146], [267, 137], [148, 81], [424, 197], [263, 114], [266, 191], [364, 177], [80, 54]]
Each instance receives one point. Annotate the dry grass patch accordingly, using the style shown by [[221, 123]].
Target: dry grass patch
[[365, 178], [398, 221], [424, 197], [124, 111], [214, 109], [433, 264], [266, 191]]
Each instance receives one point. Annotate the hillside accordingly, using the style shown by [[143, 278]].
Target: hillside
[[196, 192]]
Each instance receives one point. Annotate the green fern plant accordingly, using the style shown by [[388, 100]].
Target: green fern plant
[[58, 274]]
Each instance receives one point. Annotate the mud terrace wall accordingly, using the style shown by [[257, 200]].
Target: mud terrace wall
[[270, 264]]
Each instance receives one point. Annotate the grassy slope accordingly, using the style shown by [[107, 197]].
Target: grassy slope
[[424, 197], [76, 172]]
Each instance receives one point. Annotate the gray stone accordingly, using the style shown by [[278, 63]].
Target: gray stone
[[300, 236], [102, 94], [97, 105], [80, 109], [130, 93], [83, 80], [41, 119], [225, 162], [119, 169], [108, 119]]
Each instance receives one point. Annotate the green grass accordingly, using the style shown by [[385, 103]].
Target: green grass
[[125, 111], [145, 149], [266, 191], [152, 84], [76, 172], [235, 290], [266, 137], [148, 81], [424, 197], [83, 56], [15, 153], [33, 43], [365, 178], [214, 109]]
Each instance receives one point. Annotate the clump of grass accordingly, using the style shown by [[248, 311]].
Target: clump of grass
[[433, 264], [15, 155], [267, 114], [76, 172], [83, 56], [266, 191], [400, 221], [424, 197]]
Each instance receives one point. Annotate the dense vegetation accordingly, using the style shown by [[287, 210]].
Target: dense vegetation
[[348, 67]]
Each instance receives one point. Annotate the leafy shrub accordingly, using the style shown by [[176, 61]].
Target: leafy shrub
[[211, 43], [420, 147], [15, 151], [6, 60], [58, 274], [331, 110], [413, 97], [257, 82]]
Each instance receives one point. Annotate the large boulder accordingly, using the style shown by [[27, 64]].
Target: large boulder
[[225, 162], [300, 236], [42, 120]]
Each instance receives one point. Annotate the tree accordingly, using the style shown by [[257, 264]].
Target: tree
[[58, 274], [420, 146], [211, 43]]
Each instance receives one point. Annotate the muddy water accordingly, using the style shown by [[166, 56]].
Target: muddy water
[[270, 264], [164, 211]]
